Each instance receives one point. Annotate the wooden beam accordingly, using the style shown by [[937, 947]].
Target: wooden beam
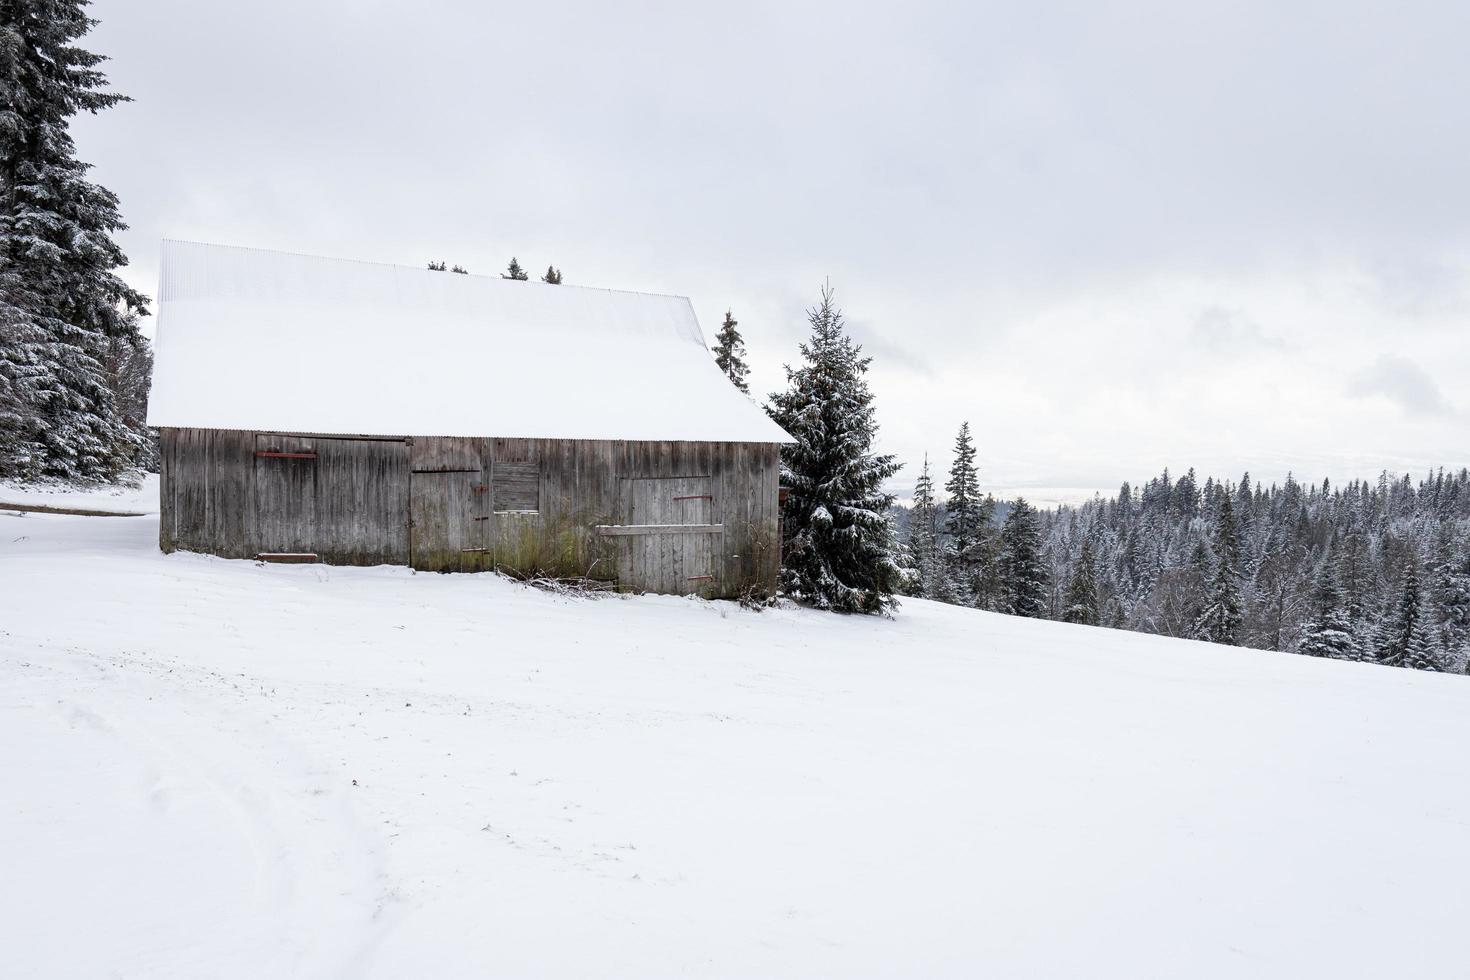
[[624, 529], [74, 511], [288, 557]]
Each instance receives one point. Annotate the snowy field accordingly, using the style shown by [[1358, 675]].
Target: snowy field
[[139, 499], [217, 769]]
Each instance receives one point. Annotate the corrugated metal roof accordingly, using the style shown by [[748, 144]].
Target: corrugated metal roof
[[255, 339]]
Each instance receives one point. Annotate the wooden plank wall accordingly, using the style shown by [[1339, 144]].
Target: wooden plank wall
[[211, 503]]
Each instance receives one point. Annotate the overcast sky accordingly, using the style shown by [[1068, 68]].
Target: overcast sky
[[1114, 237]]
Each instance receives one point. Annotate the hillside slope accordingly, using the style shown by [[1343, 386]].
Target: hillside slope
[[214, 768]]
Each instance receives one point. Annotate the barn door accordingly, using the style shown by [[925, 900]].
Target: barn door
[[447, 506], [362, 501], [285, 494], [658, 556]]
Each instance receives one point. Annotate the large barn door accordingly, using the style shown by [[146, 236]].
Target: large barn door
[[659, 556], [362, 501], [285, 494], [448, 497]]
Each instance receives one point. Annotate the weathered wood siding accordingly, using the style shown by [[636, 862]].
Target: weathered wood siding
[[454, 504]]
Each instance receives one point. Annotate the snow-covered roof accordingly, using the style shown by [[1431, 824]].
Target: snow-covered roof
[[254, 339]]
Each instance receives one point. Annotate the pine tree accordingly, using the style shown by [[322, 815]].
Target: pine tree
[[1244, 504], [962, 520], [461, 270], [438, 267], [1187, 495], [986, 590], [1022, 574], [514, 271], [1403, 641], [552, 277], [61, 302], [970, 552], [841, 552], [1328, 633], [1453, 599], [1354, 574], [1080, 604], [730, 353], [923, 539], [128, 365], [1220, 619]]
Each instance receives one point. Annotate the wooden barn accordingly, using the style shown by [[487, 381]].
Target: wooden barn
[[317, 409]]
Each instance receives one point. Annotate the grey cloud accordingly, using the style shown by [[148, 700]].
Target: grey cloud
[[883, 345], [1402, 382], [1221, 329]]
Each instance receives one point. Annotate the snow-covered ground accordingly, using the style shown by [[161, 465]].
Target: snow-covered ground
[[141, 498], [218, 769]]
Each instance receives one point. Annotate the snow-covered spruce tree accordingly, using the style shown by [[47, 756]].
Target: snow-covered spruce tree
[[1022, 573], [971, 552], [1355, 576], [552, 277], [923, 539], [128, 364], [1453, 596], [986, 589], [1329, 631], [841, 552], [438, 267], [61, 302], [25, 377], [1403, 640], [730, 353], [1080, 603], [514, 271], [962, 522], [1220, 619]]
